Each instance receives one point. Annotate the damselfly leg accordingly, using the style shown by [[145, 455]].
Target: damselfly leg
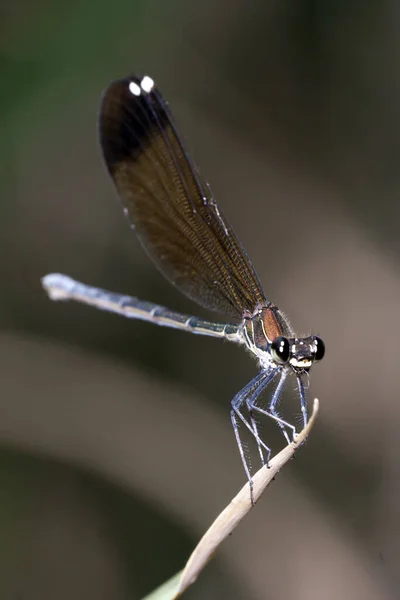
[[272, 412]]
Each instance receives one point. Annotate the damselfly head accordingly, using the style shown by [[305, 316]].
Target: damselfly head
[[304, 351], [299, 353]]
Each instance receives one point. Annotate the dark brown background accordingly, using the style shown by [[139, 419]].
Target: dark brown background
[[117, 449]]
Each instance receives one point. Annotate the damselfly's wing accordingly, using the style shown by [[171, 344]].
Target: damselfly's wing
[[169, 204]]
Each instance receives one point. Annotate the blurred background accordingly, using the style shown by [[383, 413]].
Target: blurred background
[[116, 442]]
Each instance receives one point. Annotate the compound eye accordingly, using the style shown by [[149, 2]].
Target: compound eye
[[280, 350], [319, 346]]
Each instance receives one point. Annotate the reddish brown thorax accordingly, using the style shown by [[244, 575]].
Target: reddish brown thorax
[[264, 326]]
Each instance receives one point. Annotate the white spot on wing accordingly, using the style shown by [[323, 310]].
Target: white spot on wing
[[134, 89], [147, 84], [218, 214]]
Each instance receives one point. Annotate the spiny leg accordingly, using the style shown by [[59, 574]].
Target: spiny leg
[[241, 398], [272, 409], [272, 413], [236, 404], [242, 454], [254, 426], [303, 400], [269, 375]]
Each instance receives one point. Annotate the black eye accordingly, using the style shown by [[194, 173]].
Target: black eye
[[280, 350], [319, 346]]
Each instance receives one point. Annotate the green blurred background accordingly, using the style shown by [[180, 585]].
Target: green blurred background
[[116, 443]]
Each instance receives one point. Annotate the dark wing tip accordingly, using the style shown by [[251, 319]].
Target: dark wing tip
[[128, 118]]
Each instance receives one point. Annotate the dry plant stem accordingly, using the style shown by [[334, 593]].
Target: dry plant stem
[[238, 508]]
